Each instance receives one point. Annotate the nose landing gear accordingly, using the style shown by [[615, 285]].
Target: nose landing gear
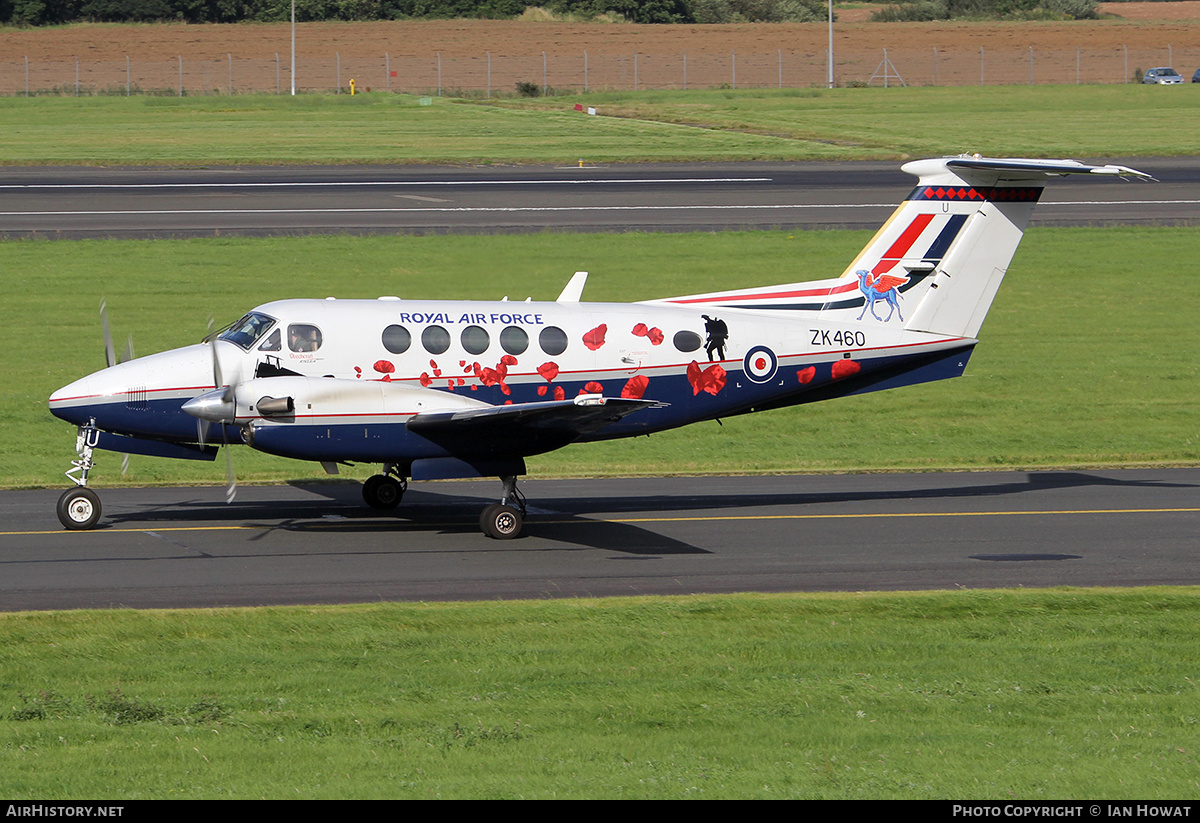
[[79, 508]]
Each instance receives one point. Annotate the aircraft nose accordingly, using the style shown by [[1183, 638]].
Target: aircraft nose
[[73, 401], [141, 397]]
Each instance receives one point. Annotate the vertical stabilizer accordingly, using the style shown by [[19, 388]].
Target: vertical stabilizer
[[993, 201]]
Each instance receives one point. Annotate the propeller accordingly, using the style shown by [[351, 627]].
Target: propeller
[[110, 358], [217, 406]]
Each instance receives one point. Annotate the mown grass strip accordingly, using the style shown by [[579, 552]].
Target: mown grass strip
[[693, 126], [1023, 695]]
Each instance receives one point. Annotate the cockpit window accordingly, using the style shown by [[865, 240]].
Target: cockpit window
[[304, 337], [248, 330], [273, 342]]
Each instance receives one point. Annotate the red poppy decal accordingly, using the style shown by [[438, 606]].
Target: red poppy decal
[[542, 391], [425, 379], [592, 388], [549, 371], [559, 394], [711, 380], [635, 387], [655, 334], [845, 368], [805, 376], [595, 338], [508, 360]]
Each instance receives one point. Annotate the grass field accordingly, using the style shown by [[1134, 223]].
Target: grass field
[[787, 124], [1021, 696]]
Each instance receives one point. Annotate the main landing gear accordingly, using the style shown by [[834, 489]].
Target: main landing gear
[[501, 521], [383, 491], [79, 508]]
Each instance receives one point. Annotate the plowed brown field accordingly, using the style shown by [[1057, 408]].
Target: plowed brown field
[[476, 54]]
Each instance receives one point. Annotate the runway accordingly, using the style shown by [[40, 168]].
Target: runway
[[140, 203], [650, 536]]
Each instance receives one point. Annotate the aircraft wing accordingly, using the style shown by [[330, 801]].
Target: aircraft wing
[[522, 429]]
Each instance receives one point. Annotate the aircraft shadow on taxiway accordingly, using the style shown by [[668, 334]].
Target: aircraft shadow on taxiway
[[336, 508]]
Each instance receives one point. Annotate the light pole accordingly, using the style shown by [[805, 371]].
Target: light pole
[[294, 47], [830, 43]]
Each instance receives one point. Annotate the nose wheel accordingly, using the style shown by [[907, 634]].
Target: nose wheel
[[79, 508]]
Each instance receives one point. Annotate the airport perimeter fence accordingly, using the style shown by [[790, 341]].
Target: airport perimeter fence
[[488, 75]]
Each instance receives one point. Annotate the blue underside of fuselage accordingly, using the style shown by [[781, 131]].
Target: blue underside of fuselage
[[682, 403]]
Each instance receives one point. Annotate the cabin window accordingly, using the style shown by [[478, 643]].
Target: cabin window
[[248, 330], [475, 339], [435, 339], [273, 343], [304, 337], [687, 340], [397, 339], [553, 340], [514, 340]]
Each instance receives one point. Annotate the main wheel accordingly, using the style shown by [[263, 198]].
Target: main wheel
[[382, 491], [79, 508], [501, 522]]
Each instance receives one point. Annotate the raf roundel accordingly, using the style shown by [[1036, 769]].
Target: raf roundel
[[760, 364]]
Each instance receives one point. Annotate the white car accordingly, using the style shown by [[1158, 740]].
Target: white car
[[1162, 76]]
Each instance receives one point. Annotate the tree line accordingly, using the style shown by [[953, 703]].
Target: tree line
[[57, 12]]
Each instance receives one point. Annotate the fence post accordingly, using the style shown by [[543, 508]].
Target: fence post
[[1077, 65], [489, 73], [387, 72], [1125, 79], [685, 69], [635, 67], [76, 75], [278, 84], [935, 65], [585, 73], [230, 73], [181, 75], [27, 75], [733, 66], [338, 55], [545, 86], [439, 56], [127, 83], [779, 57], [1031, 65], [981, 65]]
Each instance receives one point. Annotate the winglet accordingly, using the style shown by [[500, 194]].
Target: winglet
[[574, 289]]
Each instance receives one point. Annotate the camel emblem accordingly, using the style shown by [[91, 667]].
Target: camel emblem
[[884, 287]]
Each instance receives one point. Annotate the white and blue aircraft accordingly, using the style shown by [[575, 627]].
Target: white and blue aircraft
[[435, 389]]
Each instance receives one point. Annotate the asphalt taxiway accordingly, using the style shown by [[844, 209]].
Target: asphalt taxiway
[[172, 547], [155, 202]]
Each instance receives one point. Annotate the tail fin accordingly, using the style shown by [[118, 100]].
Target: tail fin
[[986, 204], [944, 250]]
